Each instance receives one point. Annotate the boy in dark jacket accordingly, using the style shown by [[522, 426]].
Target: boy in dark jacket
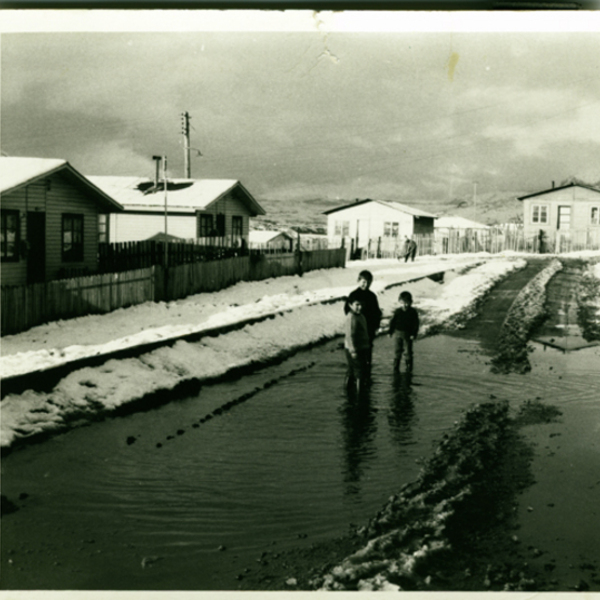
[[404, 327], [370, 307]]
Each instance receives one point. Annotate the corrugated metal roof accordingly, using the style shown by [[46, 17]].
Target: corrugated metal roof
[[16, 171], [183, 195], [416, 212]]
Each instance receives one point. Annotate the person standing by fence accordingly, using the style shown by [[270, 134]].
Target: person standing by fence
[[410, 250]]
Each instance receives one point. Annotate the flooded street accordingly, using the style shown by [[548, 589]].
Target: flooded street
[[167, 499]]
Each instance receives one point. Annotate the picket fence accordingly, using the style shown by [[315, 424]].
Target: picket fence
[[29, 305]]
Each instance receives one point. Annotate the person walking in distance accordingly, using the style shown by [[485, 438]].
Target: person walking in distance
[[404, 327], [410, 250], [369, 308], [357, 347]]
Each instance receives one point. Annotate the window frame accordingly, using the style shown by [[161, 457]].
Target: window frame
[[235, 231], [342, 228], [4, 241], [538, 213], [595, 207], [205, 225], [391, 229], [76, 252]]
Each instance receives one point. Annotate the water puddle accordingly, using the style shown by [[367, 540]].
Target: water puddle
[[190, 495]]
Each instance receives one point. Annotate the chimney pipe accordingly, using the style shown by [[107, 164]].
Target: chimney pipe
[[553, 185], [157, 160]]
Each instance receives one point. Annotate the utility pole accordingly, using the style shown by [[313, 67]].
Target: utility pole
[[185, 130], [163, 160], [475, 199]]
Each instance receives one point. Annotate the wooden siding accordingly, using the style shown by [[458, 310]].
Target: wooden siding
[[63, 197], [131, 227], [15, 273], [128, 227], [231, 206]]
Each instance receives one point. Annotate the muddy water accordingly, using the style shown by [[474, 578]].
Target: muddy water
[[165, 500]]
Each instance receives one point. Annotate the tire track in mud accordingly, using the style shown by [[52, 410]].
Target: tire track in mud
[[486, 326]]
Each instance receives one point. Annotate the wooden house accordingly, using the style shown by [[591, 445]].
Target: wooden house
[[50, 220], [365, 223], [565, 217], [212, 210], [271, 240]]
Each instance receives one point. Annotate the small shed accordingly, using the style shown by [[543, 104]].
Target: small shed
[[377, 223], [50, 220], [271, 240], [565, 217], [210, 210]]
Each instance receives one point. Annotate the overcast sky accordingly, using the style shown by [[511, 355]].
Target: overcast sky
[[400, 115]]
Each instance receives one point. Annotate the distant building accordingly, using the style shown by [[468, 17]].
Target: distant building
[[271, 240], [566, 217], [205, 209], [457, 234], [50, 220], [365, 223]]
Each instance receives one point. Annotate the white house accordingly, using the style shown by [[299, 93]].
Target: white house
[[568, 215], [365, 223], [195, 208]]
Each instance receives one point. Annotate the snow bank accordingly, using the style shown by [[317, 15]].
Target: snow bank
[[85, 393]]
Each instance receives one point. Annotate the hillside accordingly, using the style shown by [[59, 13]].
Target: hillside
[[493, 207]]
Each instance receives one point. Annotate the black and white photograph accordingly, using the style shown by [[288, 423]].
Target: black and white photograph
[[300, 301]]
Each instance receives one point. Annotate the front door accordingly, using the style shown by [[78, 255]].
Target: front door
[[564, 217], [36, 239]]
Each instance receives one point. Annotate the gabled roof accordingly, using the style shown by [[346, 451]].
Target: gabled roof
[[17, 172], [452, 222], [264, 237], [395, 205], [555, 189], [183, 195]]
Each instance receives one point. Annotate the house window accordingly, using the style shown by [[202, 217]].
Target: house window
[[539, 213], [237, 224], [102, 229], [10, 235], [595, 215], [205, 226], [72, 238], [342, 228], [390, 229]]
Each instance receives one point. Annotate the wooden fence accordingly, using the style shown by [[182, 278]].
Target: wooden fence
[[29, 305]]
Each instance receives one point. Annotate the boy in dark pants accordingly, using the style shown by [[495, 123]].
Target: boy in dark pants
[[404, 327], [370, 308], [357, 346]]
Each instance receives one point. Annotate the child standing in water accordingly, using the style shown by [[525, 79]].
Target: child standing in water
[[357, 345], [369, 308], [404, 328]]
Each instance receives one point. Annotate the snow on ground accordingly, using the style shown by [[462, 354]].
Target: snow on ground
[[87, 391], [61, 342]]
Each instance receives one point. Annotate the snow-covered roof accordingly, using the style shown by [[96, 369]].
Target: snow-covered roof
[[264, 237], [416, 212], [16, 171], [19, 171], [458, 223], [184, 195]]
